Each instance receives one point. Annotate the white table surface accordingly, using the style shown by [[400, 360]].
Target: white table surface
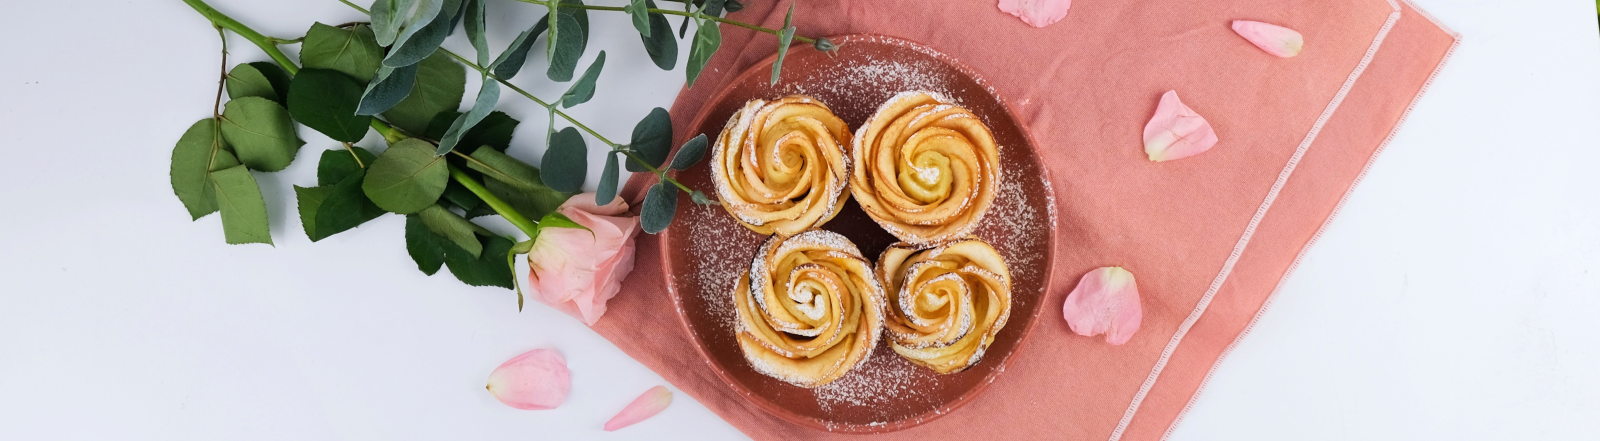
[[1457, 296]]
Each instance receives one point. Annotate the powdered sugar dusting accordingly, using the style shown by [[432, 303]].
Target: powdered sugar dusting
[[885, 380], [885, 391]]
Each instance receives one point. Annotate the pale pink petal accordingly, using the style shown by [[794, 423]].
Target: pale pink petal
[[1274, 39], [576, 271], [536, 380], [562, 263], [648, 405], [1176, 132], [585, 202], [1106, 301], [1037, 13]]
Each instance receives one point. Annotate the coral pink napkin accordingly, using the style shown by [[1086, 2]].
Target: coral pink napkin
[[1209, 237]]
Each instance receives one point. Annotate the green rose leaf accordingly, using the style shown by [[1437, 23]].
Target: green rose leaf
[[504, 168], [346, 206], [260, 132], [407, 178], [487, 269], [460, 196], [565, 161], [425, 247], [423, 33], [784, 38], [652, 139], [488, 95], [310, 200], [244, 212], [510, 62], [706, 41], [335, 165], [608, 181], [583, 90], [531, 204], [259, 79], [663, 49], [640, 11], [439, 85], [326, 101], [450, 226], [567, 49], [494, 131], [386, 90], [193, 159], [660, 205], [690, 153], [517, 183], [354, 52]]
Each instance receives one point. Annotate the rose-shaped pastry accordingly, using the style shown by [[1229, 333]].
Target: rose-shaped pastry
[[809, 308], [945, 303], [925, 169], [780, 166]]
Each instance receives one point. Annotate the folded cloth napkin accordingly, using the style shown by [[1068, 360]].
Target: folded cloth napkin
[[1210, 237]]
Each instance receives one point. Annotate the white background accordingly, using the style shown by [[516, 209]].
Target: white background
[[1457, 296]]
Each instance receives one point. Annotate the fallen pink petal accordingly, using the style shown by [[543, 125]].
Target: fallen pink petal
[[536, 380], [1037, 13], [1106, 301], [648, 405], [1276, 40], [1176, 131]]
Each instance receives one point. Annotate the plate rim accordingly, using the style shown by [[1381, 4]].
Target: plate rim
[[764, 67]]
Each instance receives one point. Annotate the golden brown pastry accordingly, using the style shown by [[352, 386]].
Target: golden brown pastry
[[809, 308], [781, 166], [925, 169], [946, 303]]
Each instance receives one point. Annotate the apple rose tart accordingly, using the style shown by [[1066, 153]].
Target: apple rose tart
[[945, 303], [925, 169], [780, 166], [809, 308]]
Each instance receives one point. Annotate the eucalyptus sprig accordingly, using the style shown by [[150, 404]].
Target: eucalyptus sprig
[[442, 168]]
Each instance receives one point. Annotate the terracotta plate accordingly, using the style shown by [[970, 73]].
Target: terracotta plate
[[706, 250]]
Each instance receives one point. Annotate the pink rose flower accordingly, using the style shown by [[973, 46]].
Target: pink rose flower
[[577, 271]]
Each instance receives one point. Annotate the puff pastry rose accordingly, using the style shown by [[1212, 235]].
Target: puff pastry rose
[[945, 304], [780, 166], [809, 308], [925, 169]]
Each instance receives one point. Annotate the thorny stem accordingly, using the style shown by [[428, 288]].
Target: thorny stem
[[216, 107], [223, 21]]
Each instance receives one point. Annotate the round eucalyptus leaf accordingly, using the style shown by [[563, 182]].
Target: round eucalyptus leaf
[[652, 140], [608, 181], [660, 205], [566, 161], [690, 153]]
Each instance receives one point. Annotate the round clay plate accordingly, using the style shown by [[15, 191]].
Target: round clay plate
[[706, 251]]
